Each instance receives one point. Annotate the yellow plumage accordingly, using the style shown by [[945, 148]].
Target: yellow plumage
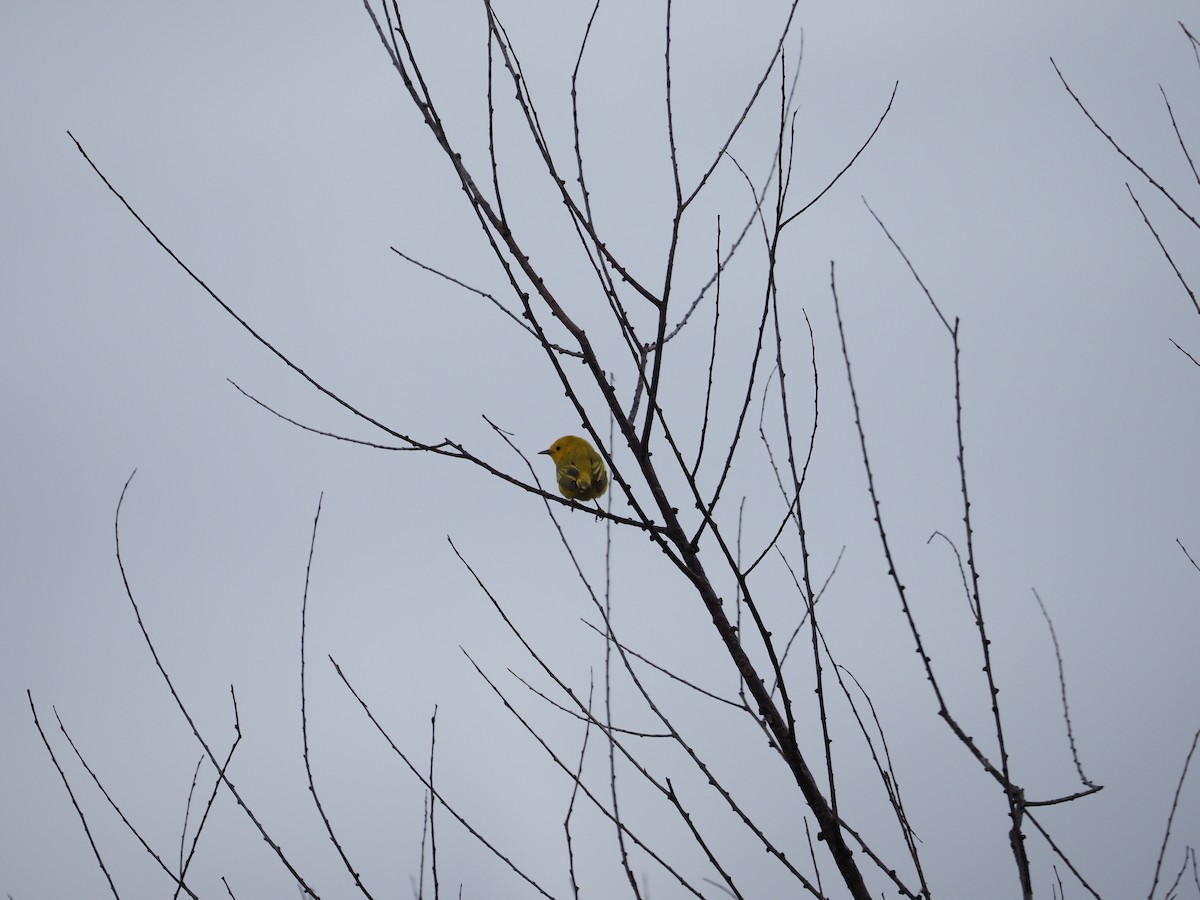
[[579, 470]]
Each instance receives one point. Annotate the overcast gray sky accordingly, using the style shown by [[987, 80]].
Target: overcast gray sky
[[271, 146]]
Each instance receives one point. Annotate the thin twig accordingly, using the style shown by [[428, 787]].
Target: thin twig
[[1178, 136], [845, 168], [1163, 248], [1062, 683], [1162, 850], [312, 787], [1129, 159], [433, 857], [224, 776], [120, 813], [1184, 352], [71, 793], [1195, 565], [575, 781], [491, 298], [474, 832], [1013, 794], [212, 796]]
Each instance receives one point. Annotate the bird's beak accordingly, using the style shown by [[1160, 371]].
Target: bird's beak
[[543, 453]]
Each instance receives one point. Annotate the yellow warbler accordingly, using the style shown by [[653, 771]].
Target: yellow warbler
[[578, 468]]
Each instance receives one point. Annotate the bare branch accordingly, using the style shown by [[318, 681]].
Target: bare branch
[[212, 796], [224, 776], [609, 814], [433, 860], [120, 813], [1178, 136], [312, 787], [1062, 683], [75, 803], [846, 168], [1162, 850], [491, 298], [429, 787], [1184, 352], [1129, 159], [1195, 565], [1163, 248]]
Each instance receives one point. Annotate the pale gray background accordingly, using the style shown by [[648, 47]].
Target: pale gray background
[[270, 146]]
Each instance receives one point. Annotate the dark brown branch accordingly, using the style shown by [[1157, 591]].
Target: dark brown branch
[[312, 787], [1178, 136], [760, 336], [71, 793], [587, 792], [755, 211], [1129, 159], [121, 813], [611, 815], [846, 168], [576, 778], [491, 298], [1195, 43], [597, 256], [1061, 855], [779, 45], [246, 326], [672, 675], [1184, 352], [1163, 248], [796, 486], [1062, 683], [187, 813], [673, 534], [586, 712], [800, 589], [1013, 794], [185, 864], [442, 448], [528, 110], [317, 431], [1162, 850], [585, 716], [437, 795], [224, 776], [1195, 565], [433, 858], [887, 774], [712, 362]]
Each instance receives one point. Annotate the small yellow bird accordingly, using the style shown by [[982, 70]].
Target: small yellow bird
[[578, 468]]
